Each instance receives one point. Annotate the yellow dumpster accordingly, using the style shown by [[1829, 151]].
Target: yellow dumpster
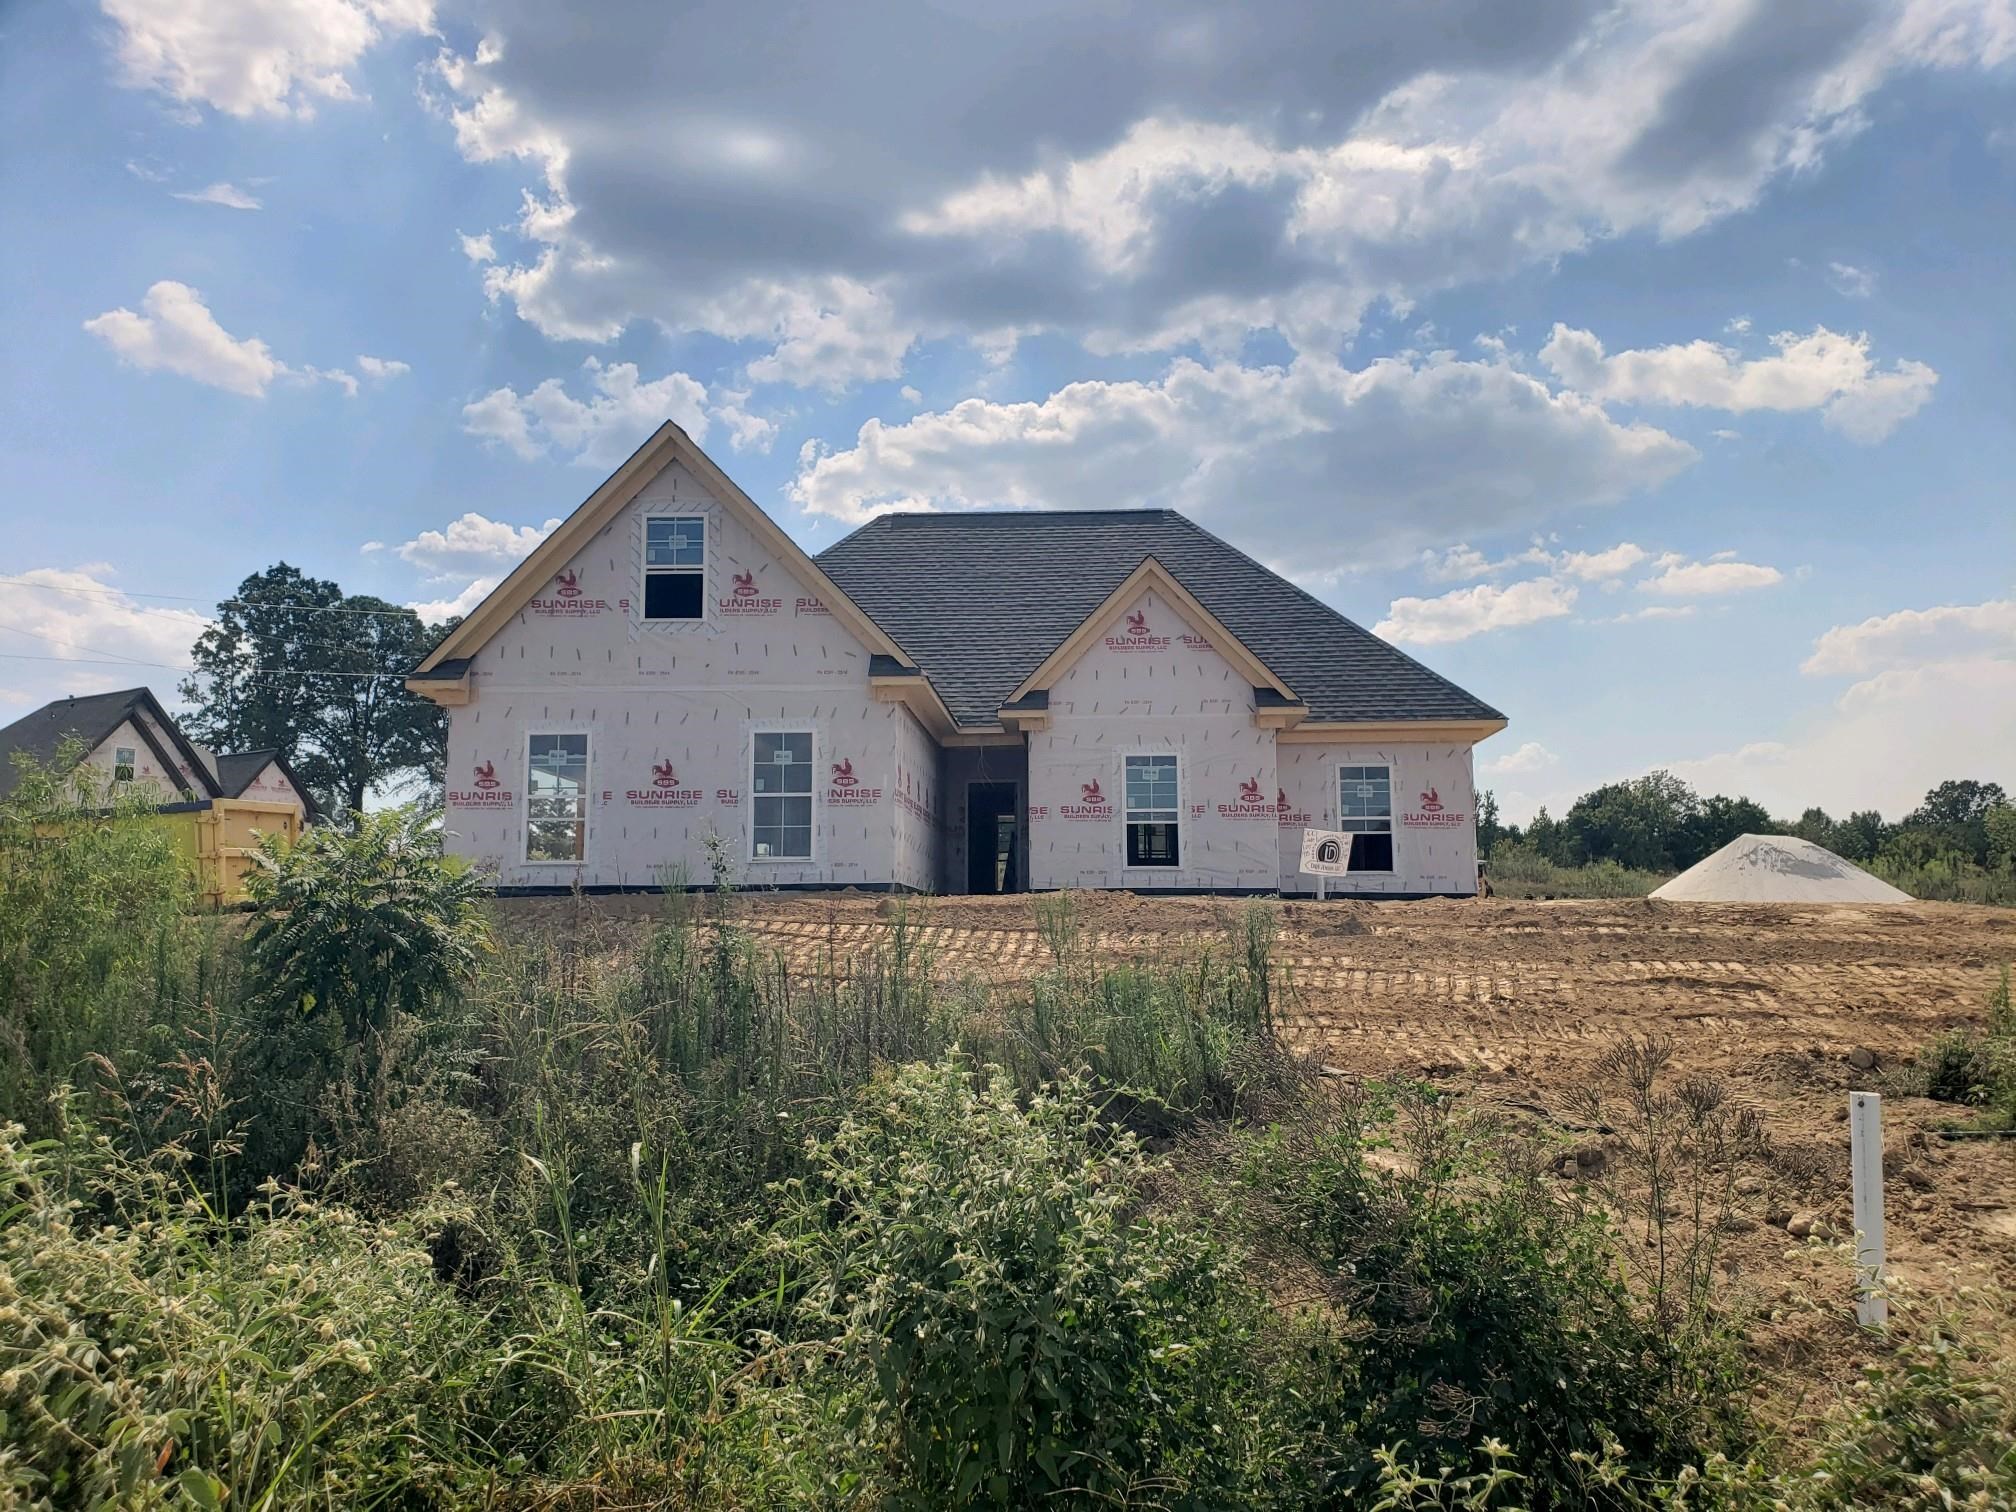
[[217, 836]]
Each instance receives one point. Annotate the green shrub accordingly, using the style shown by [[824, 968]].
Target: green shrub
[[1482, 1307], [1518, 870], [97, 946], [1027, 1336], [164, 1358], [1975, 1068]]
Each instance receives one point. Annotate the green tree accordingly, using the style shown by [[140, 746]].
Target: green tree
[[2000, 823], [295, 665], [1720, 820], [1546, 836], [1816, 826], [1643, 823], [1860, 836], [1956, 812], [1489, 830]]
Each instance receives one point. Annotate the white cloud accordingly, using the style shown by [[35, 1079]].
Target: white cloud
[[599, 431], [1653, 612], [433, 611], [230, 196], [473, 542], [254, 57], [1849, 280], [746, 431], [1913, 637], [1883, 744], [1823, 371], [1597, 566], [177, 332], [383, 368], [1464, 612], [910, 395], [1315, 464], [479, 249], [1936, 699], [370, 547], [830, 334], [79, 618], [1680, 578], [1530, 757]]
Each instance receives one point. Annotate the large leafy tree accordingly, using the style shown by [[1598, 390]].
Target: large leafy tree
[[295, 664], [1643, 823], [1955, 815]]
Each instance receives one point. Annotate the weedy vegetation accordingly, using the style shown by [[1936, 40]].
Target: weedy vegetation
[[359, 1202]]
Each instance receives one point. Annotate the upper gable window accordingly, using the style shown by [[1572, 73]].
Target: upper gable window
[[122, 763], [675, 567]]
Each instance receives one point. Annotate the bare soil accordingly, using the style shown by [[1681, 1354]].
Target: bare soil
[[1511, 1003]]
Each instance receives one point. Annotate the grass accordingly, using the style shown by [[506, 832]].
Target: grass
[[578, 1221]]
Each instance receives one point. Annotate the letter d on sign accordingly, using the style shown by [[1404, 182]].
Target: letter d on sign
[[1865, 1149]]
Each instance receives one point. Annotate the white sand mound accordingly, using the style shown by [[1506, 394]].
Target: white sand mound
[[1777, 869]]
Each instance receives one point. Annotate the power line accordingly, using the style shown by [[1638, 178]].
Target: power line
[[56, 640], [235, 603], [85, 661]]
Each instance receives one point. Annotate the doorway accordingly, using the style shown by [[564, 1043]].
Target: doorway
[[993, 838]]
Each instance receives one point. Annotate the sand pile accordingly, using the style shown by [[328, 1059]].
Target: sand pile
[[1777, 869]]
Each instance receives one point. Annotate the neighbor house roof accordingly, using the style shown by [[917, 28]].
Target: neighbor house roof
[[90, 719], [981, 600], [236, 770]]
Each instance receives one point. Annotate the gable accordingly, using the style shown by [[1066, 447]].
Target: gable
[[437, 673], [982, 599], [764, 618], [1151, 614]]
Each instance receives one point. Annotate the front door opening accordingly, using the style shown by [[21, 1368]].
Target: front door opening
[[993, 830]]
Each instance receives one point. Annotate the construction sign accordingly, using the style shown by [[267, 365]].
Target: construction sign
[[1326, 853]]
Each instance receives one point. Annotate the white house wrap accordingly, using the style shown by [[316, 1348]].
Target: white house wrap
[[945, 702]]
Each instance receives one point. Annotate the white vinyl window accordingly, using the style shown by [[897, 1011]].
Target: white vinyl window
[[123, 759], [556, 799], [1365, 812], [1152, 809], [780, 796], [675, 567]]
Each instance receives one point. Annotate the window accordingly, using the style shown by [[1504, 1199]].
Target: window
[[780, 789], [1365, 811], [1151, 810], [122, 763], [556, 799], [675, 567]]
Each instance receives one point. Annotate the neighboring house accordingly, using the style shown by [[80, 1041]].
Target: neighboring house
[[968, 702], [131, 742]]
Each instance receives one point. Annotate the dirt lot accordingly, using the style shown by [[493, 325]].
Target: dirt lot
[[1512, 1002]]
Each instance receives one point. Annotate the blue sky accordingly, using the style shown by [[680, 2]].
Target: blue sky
[[1646, 367]]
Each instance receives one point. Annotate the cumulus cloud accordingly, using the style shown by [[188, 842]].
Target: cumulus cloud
[[1530, 757], [1823, 371], [599, 431], [254, 57], [1182, 177], [382, 368], [1464, 612], [1935, 697], [175, 332], [229, 196], [1680, 578], [433, 611], [1315, 465], [472, 542], [1914, 637], [479, 249], [79, 618], [1849, 280]]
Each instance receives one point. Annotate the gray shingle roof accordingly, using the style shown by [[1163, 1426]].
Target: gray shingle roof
[[980, 599], [90, 718]]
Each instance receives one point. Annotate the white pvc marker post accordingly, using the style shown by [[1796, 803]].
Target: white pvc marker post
[[1865, 1146]]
